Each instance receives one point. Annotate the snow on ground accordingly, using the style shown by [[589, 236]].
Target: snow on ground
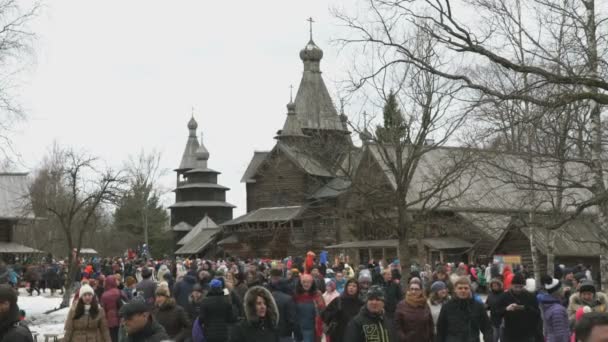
[[35, 308]]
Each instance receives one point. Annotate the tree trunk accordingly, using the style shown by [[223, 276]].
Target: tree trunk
[[404, 248], [534, 252], [551, 252], [69, 280]]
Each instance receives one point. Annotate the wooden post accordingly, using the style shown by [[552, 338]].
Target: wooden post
[[383, 254], [369, 254], [441, 257]]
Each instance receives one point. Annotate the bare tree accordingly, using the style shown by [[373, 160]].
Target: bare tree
[[80, 189], [574, 74], [421, 114], [15, 45]]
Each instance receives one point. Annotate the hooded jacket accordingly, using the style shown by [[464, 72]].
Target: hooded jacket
[[215, 315], [555, 318], [492, 302], [288, 322], [598, 304], [254, 329], [111, 301], [174, 319], [341, 311], [183, 289], [11, 331]]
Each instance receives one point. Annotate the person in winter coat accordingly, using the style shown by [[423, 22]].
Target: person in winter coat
[[330, 292], [555, 317], [463, 318], [32, 276], [162, 270], [171, 316], [520, 312], [129, 288], [392, 292], [183, 288], [507, 277], [138, 324], [86, 321], [341, 310], [288, 324], [111, 301], [10, 329], [495, 291], [194, 302], [413, 318], [309, 305], [586, 296], [216, 313], [147, 286], [439, 296], [261, 318], [364, 282], [371, 323]]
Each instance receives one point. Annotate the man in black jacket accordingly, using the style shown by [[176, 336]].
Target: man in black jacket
[[392, 292], [371, 324], [463, 318], [138, 324], [10, 329], [288, 323], [520, 313]]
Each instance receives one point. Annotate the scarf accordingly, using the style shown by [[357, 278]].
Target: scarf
[[87, 308], [415, 300]]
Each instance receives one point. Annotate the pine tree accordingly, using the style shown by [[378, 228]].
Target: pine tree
[[395, 129]]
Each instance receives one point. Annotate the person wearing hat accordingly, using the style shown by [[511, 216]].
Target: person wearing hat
[[555, 317], [86, 319], [439, 296], [364, 282], [171, 316], [194, 302], [494, 294], [10, 329], [282, 294], [463, 318], [216, 313], [371, 323], [138, 325], [520, 312], [586, 296]]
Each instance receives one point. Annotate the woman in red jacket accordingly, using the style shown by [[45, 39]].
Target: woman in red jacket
[[111, 301]]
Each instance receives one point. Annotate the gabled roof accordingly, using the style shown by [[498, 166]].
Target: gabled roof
[[446, 242], [303, 160], [486, 181], [254, 164], [199, 242], [14, 196], [182, 227], [205, 223], [273, 214], [88, 251]]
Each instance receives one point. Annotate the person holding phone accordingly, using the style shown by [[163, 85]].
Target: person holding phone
[[520, 313]]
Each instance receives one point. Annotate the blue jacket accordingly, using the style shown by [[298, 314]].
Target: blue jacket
[[183, 289], [555, 318]]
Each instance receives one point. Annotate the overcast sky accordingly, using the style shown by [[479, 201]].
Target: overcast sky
[[115, 77]]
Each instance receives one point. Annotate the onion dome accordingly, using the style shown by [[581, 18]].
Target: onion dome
[[192, 126], [311, 52]]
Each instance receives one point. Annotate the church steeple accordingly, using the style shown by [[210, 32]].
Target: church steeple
[[314, 106], [188, 157]]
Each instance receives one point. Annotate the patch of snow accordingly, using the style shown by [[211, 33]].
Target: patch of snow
[[35, 307]]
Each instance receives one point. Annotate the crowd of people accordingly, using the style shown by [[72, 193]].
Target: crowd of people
[[310, 300]]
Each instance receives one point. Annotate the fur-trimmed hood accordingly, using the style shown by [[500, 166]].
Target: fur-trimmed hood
[[272, 312]]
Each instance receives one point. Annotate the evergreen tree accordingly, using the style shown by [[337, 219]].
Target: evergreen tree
[[394, 130]]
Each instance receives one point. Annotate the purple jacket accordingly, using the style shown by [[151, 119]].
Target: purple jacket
[[555, 318]]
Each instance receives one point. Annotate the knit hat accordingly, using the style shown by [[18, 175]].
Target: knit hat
[[215, 284], [375, 292], [551, 284], [518, 279], [8, 294], [365, 278], [438, 286], [135, 306], [580, 276], [530, 285], [84, 289], [587, 286], [162, 291]]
